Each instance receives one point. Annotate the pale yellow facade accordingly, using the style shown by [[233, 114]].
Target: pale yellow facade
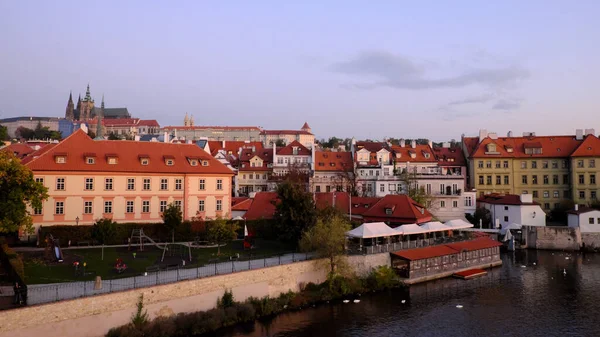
[[585, 174]]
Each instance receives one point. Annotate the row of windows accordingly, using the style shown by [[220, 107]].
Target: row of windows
[[592, 179], [545, 164], [499, 180], [287, 160], [146, 184], [546, 179], [88, 207], [454, 203], [251, 176], [546, 194]]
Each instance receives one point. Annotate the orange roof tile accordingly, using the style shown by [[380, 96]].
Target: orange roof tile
[[590, 147], [127, 152], [362, 204], [38, 153], [338, 199], [552, 147], [20, 150], [425, 253], [405, 210], [262, 207], [422, 153], [371, 146], [334, 161], [289, 149], [449, 156], [241, 205], [504, 199], [232, 146], [479, 243], [285, 132]]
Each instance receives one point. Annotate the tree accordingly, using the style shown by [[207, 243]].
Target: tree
[[91, 133], [482, 214], [327, 238], [559, 214], [172, 218], [113, 136], [221, 233], [18, 190], [348, 181], [3, 133], [415, 192], [23, 132], [104, 230], [295, 211]]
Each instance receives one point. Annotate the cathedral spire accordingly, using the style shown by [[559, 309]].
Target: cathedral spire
[[102, 104], [70, 113], [70, 96]]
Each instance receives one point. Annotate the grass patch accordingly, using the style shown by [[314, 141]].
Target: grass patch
[[39, 271]]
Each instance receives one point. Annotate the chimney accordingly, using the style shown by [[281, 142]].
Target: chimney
[[482, 134], [509, 134], [493, 135], [527, 198], [579, 134], [136, 138], [431, 144], [590, 132], [189, 142], [576, 207], [253, 148], [413, 144], [223, 144], [166, 137], [274, 153], [84, 127], [402, 143]]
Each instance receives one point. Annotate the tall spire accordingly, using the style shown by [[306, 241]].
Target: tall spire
[[88, 96], [186, 120], [71, 96], [99, 132], [70, 113], [102, 104]]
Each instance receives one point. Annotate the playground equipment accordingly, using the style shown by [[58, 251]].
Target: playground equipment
[[120, 266], [138, 235], [180, 249], [53, 248]]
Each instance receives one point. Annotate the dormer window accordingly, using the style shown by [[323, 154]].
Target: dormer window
[[533, 148], [388, 211], [91, 160], [509, 149], [426, 155], [295, 149], [61, 159], [491, 147], [398, 155], [112, 160], [205, 163], [194, 162], [170, 162], [144, 161]]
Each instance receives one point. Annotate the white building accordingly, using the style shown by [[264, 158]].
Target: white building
[[510, 208], [332, 171], [587, 219], [304, 136]]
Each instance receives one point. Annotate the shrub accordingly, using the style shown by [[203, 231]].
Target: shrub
[[226, 301], [245, 312], [382, 277], [140, 318], [160, 327], [14, 260], [104, 231]]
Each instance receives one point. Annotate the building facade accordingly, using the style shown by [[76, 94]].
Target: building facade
[[127, 181], [332, 172], [86, 109], [227, 133], [508, 209], [304, 136], [13, 123]]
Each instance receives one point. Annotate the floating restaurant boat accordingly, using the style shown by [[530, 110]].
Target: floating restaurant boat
[[430, 263], [469, 274]]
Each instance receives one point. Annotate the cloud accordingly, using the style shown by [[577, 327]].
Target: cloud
[[396, 71], [507, 104], [476, 99]]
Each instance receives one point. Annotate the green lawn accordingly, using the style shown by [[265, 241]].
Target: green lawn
[[37, 270]]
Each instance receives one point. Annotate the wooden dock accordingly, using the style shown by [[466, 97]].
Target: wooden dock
[[469, 274]]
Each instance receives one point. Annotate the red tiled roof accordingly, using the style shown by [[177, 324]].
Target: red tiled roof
[[371, 146], [449, 156], [289, 149], [334, 161], [305, 126], [262, 207], [504, 199], [420, 152], [405, 210], [362, 204], [247, 154], [480, 243], [38, 153], [223, 128], [470, 144], [582, 209], [148, 122], [327, 199], [241, 205], [552, 146], [590, 147], [127, 152], [285, 132], [20, 150], [425, 253]]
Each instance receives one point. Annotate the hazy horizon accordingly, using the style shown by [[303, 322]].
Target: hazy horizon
[[369, 70]]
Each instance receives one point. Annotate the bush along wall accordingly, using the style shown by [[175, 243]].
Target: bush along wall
[[229, 312], [16, 268]]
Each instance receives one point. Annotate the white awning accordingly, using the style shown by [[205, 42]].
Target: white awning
[[458, 224], [372, 230], [410, 229], [511, 226], [435, 226]]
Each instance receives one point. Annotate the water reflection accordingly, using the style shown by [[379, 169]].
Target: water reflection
[[534, 293]]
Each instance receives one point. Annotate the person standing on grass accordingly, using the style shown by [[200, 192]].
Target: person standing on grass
[[18, 294]]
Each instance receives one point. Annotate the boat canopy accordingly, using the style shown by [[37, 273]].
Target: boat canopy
[[410, 229], [435, 226], [458, 224], [372, 230]]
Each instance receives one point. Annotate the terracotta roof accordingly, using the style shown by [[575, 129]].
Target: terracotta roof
[[285, 132], [371, 146], [581, 210], [470, 144], [552, 147], [289, 149], [479, 243], [362, 204], [590, 147], [223, 128], [305, 126], [20, 150], [265, 154], [327, 199], [38, 153], [425, 253], [334, 161], [404, 210], [148, 122], [241, 205], [422, 153], [127, 151], [449, 156], [262, 207], [504, 199], [233, 146]]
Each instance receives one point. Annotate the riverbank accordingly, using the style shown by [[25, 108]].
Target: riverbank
[[229, 312]]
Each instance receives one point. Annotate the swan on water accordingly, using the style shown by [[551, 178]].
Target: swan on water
[[564, 271], [356, 301], [403, 301], [459, 306], [346, 301]]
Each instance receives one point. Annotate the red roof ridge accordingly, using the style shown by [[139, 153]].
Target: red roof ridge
[[76, 133]]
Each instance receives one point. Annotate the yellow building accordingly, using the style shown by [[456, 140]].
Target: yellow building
[[127, 181], [548, 167]]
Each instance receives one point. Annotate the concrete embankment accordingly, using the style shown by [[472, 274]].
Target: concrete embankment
[[94, 316]]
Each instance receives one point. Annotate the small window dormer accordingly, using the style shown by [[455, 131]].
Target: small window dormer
[[194, 162], [169, 160], [90, 158], [398, 155], [112, 159], [413, 155], [509, 149], [426, 155], [60, 158], [295, 150], [205, 163]]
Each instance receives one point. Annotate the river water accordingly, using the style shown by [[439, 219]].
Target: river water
[[530, 295]]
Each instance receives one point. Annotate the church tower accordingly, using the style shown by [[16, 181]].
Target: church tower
[[186, 120], [99, 127], [87, 105], [70, 113]]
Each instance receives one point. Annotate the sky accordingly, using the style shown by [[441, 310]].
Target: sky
[[364, 69]]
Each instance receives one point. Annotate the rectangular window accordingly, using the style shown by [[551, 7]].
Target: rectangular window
[[524, 180], [108, 184], [546, 194], [89, 184], [442, 204], [60, 184], [178, 204], [37, 211], [202, 186], [88, 207], [442, 189], [554, 164], [391, 187], [59, 208], [505, 218], [146, 206], [219, 205], [251, 176], [581, 179], [546, 179], [178, 184], [546, 205], [564, 164], [129, 208], [523, 164], [505, 163], [498, 180], [200, 205], [480, 180], [468, 201], [534, 164], [545, 164], [369, 188], [381, 188], [565, 179], [591, 221], [39, 180], [163, 205], [556, 194], [219, 184], [506, 181], [593, 195], [592, 163], [146, 184], [580, 163], [581, 194], [535, 194], [455, 203], [592, 179], [498, 164], [555, 179], [489, 180], [488, 164], [164, 184], [534, 179], [130, 184], [480, 164], [108, 207]]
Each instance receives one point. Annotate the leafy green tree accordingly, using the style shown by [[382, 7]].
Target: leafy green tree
[[220, 232], [280, 143], [172, 218], [328, 238], [113, 136], [55, 135], [104, 231], [18, 190], [23, 132], [415, 192], [482, 214], [295, 211], [3, 133]]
